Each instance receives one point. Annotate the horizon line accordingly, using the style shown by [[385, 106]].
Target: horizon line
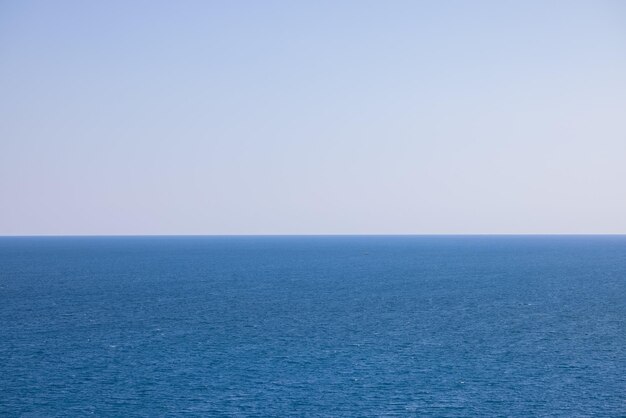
[[306, 235]]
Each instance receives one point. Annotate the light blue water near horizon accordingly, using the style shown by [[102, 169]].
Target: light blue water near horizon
[[313, 326]]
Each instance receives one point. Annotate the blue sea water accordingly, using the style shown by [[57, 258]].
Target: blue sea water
[[313, 326]]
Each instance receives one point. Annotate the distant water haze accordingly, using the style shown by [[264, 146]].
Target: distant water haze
[[351, 117]]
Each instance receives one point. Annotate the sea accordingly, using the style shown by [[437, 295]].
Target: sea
[[330, 326]]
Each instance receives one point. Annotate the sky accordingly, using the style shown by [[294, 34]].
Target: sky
[[316, 117]]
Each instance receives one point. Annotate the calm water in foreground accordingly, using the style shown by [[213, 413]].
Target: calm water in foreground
[[330, 326]]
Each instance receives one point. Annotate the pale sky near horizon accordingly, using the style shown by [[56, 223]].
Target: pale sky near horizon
[[318, 117]]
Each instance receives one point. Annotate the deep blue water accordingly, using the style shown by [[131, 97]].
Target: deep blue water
[[306, 326]]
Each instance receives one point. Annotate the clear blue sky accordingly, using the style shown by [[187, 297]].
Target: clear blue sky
[[263, 117]]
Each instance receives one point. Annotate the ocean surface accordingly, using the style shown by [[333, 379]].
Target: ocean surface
[[313, 326]]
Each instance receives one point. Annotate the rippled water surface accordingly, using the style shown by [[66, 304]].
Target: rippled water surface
[[330, 326]]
